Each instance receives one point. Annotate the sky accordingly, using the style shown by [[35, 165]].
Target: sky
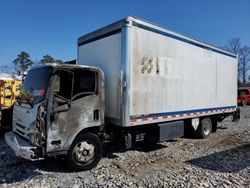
[[52, 27]]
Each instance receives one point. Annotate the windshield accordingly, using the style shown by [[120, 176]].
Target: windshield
[[35, 85]]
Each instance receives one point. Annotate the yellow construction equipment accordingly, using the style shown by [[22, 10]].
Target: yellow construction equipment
[[10, 86]]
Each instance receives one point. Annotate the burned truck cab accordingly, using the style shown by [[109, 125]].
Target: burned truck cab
[[60, 112]]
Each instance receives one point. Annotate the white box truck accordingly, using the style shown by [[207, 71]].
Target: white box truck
[[134, 81]]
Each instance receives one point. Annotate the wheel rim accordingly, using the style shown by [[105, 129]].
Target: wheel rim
[[84, 152], [206, 128]]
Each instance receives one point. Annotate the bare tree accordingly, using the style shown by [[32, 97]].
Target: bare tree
[[243, 52], [7, 69], [244, 60], [234, 46]]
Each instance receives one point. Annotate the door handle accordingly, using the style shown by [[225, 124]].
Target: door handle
[[96, 115]]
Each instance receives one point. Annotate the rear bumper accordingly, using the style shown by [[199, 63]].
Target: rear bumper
[[21, 147]]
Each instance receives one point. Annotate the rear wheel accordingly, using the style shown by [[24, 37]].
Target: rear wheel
[[85, 152], [205, 128]]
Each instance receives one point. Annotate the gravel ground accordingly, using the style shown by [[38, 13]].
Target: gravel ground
[[221, 160]]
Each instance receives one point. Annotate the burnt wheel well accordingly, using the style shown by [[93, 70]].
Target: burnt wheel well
[[95, 130]]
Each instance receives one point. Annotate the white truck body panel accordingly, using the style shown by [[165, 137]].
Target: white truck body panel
[[154, 74], [168, 75], [106, 54]]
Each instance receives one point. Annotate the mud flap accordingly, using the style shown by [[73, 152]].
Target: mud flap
[[128, 141], [236, 115]]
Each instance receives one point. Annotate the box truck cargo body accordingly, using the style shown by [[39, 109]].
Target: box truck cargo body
[[134, 82], [153, 74]]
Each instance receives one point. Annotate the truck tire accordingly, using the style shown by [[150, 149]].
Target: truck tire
[[205, 128], [85, 152]]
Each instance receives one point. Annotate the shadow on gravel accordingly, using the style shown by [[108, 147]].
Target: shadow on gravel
[[223, 128], [13, 169], [232, 160], [16, 171], [149, 147], [21, 169]]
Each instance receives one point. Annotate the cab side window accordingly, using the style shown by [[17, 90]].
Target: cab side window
[[64, 85], [63, 88], [84, 84]]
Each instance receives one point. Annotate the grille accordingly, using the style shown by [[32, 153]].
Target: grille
[[21, 130], [19, 125]]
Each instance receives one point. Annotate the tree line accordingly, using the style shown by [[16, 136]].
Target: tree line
[[23, 62], [243, 51]]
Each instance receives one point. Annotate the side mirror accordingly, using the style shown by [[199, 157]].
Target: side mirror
[[62, 108]]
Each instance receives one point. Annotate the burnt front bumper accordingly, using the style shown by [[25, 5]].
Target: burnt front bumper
[[21, 147]]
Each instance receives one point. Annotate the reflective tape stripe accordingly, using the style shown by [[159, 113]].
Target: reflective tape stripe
[[134, 121]]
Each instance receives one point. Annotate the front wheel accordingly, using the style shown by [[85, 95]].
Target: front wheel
[[85, 152], [205, 128]]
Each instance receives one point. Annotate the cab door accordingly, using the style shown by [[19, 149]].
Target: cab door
[[76, 106]]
